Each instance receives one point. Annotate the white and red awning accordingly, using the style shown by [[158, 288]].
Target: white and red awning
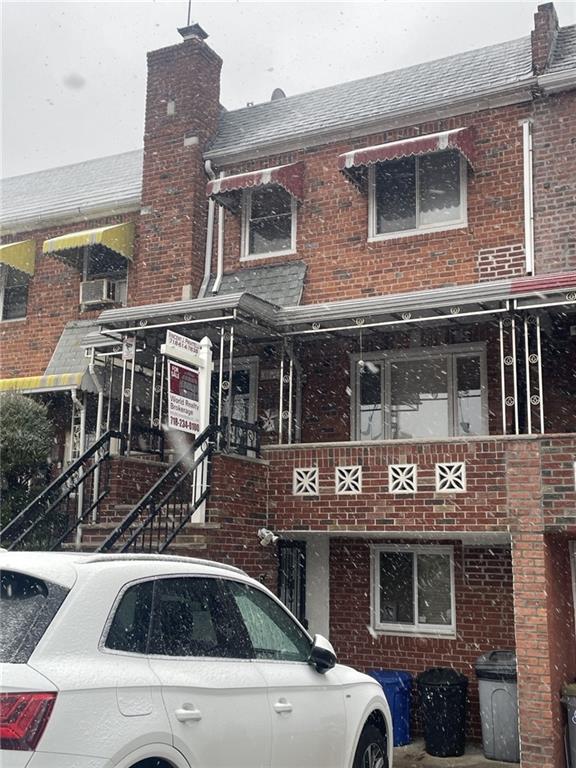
[[226, 190], [460, 139]]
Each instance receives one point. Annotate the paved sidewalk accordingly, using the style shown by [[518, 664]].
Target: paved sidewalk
[[414, 756]]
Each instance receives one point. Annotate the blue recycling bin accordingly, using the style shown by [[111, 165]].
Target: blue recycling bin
[[397, 687]]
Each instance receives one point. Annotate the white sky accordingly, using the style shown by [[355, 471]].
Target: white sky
[[74, 73]]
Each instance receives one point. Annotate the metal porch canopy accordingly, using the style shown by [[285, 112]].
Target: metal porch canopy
[[226, 190], [52, 383], [450, 303], [118, 238]]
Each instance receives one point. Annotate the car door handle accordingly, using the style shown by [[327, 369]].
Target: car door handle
[[282, 706], [187, 712]]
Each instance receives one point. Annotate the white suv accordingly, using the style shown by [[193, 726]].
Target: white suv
[[143, 661]]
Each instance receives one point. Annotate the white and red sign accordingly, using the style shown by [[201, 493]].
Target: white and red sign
[[183, 398]]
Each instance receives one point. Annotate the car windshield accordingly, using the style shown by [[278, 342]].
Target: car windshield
[[27, 606]]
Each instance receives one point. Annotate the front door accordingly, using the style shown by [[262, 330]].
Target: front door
[[214, 694], [307, 708]]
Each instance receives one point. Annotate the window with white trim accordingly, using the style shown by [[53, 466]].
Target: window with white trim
[[413, 589], [417, 194], [269, 222], [13, 293], [423, 393]]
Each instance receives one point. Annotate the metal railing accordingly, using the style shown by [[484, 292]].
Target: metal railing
[[60, 510], [242, 437], [162, 513]]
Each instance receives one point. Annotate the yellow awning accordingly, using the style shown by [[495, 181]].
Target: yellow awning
[[42, 383], [118, 238], [21, 255]]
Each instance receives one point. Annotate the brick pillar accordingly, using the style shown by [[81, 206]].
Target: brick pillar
[[540, 736], [182, 112]]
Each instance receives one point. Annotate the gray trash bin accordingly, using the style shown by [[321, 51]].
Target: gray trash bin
[[496, 672], [570, 701]]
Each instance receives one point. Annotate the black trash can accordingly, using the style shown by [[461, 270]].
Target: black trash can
[[443, 711]]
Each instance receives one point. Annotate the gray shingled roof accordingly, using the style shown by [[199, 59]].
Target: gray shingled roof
[[68, 355], [565, 51], [465, 75], [104, 183], [279, 284]]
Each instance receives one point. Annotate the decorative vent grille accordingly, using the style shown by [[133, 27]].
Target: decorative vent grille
[[451, 477], [402, 478], [306, 482], [348, 480]]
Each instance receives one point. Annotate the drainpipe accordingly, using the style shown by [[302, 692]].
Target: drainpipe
[[80, 490], [528, 196], [99, 415], [220, 249], [209, 234]]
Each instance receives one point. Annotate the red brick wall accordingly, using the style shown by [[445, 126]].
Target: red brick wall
[[26, 345], [554, 137], [173, 222], [333, 219], [483, 507], [484, 616], [558, 458]]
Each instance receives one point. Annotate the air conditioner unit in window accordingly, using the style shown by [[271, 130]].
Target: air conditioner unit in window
[[94, 292]]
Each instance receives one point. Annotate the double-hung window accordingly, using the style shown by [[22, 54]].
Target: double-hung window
[[13, 293], [269, 222], [425, 393], [413, 589], [417, 194]]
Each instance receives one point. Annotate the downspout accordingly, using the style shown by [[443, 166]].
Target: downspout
[[209, 235], [220, 249], [528, 196], [99, 415], [80, 490]]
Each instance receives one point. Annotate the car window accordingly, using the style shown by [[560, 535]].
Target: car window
[[194, 617], [27, 606], [273, 632], [131, 623]]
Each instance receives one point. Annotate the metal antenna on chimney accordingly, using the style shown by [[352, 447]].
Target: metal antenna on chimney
[[189, 12]]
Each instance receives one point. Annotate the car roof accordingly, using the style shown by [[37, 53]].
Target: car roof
[[65, 567]]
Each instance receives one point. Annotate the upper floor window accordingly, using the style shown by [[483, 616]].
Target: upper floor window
[[269, 225], [425, 393], [417, 194], [13, 293]]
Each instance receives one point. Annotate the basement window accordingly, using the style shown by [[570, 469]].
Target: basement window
[[417, 194], [413, 589]]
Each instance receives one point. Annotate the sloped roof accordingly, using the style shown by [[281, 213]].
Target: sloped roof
[[104, 183], [565, 51], [68, 355], [464, 75], [279, 284]]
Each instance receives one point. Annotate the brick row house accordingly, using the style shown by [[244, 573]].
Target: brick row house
[[386, 273]]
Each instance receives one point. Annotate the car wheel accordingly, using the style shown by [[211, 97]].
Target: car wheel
[[371, 751]]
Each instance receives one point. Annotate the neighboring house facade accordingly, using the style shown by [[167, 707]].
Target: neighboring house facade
[[386, 270]]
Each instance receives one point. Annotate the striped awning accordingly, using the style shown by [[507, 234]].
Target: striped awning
[[227, 189], [21, 255], [118, 238], [52, 383], [460, 139]]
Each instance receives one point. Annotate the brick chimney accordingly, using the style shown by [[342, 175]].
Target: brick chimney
[[182, 111], [543, 37]]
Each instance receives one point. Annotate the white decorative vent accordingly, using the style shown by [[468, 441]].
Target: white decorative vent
[[306, 481], [451, 477], [402, 478], [348, 480]]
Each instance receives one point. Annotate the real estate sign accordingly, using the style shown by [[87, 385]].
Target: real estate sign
[[183, 398]]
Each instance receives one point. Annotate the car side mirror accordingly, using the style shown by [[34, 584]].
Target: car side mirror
[[322, 656]]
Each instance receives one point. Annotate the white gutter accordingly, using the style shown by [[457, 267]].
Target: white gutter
[[220, 249], [209, 235], [558, 81], [528, 196]]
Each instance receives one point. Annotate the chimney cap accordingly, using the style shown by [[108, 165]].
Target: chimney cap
[[193, 30]]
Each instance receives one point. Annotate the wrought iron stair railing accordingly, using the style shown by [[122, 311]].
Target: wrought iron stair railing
[[58, 513], [160, 515]]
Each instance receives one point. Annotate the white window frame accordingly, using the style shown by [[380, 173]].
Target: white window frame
[[245, 255], [121, 282], [452, 352], [460, 223], [4, 268], [427, 630]]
